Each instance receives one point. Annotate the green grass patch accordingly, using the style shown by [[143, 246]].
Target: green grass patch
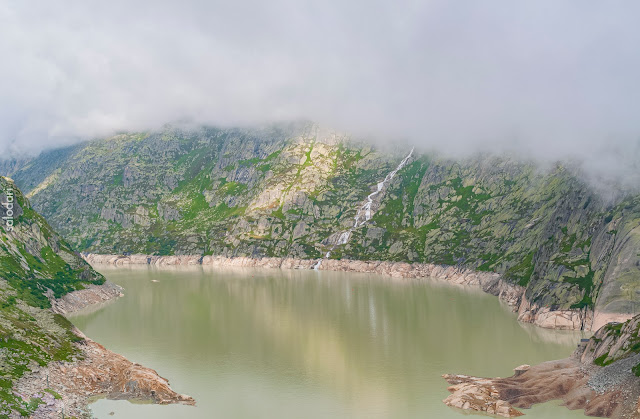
[[602, 360], [522, 272]]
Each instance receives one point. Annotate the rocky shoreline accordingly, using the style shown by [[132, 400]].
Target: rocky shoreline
[[603, 389], [92, 295], [492, 283], [566, 379], [68, 387]]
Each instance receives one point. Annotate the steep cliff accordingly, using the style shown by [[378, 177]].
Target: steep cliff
[[40, 275], [34, 260], [291, 190]]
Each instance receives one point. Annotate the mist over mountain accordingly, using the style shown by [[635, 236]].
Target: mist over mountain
[[546, 80]]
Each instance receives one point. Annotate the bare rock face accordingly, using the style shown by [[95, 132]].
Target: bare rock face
[[555, 319], [613, 341], [478, 394]]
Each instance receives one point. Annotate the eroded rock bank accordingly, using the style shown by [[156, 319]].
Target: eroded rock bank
[[66, 387], [567, 380], [48, 369], [492, 283], [600, 377], [92, 295]]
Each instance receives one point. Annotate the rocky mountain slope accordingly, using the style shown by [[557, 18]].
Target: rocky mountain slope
[[292, 190], [40, 275]]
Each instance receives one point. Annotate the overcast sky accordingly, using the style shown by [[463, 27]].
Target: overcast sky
[[553, 78]]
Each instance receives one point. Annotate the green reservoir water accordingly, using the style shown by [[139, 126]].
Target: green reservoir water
[[249, 343]]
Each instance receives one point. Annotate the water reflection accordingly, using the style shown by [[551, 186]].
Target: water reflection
[[310, 344]]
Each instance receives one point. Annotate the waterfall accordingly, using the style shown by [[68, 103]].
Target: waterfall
[[367, 206], [365, 210]]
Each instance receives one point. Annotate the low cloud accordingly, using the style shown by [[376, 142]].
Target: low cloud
[[548, 79]]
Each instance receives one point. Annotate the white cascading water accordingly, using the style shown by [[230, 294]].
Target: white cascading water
[[365, 210]]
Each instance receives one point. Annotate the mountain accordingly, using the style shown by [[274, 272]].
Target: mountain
[[294, 190], [39, 271], [34, 260], [35, 264]]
